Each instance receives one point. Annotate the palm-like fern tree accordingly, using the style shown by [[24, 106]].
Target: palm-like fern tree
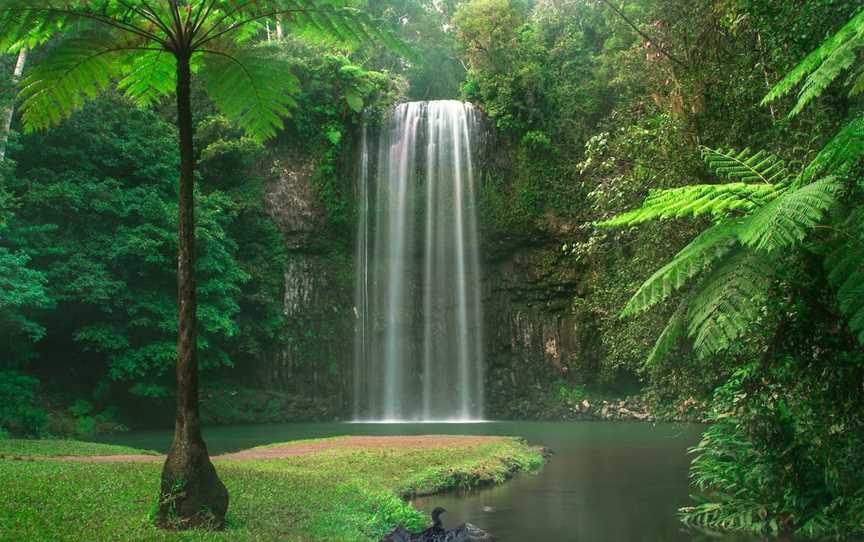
[[151, 49], [758, 210], [761, 212]]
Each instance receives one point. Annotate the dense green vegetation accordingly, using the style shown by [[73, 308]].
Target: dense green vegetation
[[309, 497], [91, 231], [698, 171], [768, 294], [764, 243]]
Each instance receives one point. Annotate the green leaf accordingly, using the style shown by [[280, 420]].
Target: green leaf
[[717, 200], [728, 301], [355, 102], [151, 76], [845, 149], [845, 265]]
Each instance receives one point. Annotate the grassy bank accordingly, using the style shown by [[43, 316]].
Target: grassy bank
[[34, 449], [343, 493]]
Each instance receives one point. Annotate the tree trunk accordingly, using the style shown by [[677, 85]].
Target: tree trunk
[[191, 494], [10, 110]]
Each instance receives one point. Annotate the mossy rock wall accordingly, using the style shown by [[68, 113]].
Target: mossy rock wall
[[550, 319]]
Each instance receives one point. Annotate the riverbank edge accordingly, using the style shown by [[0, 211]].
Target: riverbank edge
[[497, 470], [366, 502]]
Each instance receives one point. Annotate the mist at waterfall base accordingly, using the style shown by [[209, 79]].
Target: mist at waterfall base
[[418, 341]]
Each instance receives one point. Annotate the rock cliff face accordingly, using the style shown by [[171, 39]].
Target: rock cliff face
[[536, 331], [315, 358], [291, 200]]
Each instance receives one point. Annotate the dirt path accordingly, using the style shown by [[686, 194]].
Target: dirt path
[[305, 448]]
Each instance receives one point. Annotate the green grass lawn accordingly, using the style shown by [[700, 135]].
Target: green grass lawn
[[20, 448], [341, 494]]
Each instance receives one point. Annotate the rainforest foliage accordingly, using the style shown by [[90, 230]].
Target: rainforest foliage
[[699, 169], [739, 127], [89, 244]]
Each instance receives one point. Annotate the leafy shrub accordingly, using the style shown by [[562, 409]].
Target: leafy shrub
[[783, 453], [86, 426], [19, 412], [81, 420], [572, 394], [81, 408]]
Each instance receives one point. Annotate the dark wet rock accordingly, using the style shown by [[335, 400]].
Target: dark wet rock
[[467, 532]]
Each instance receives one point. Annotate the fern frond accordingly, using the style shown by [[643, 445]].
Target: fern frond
[[671, 336], [699, 255], [151, 76], [74, 70], [745, 166], [253, 89], [24, 27], [717, 200], [856, 83], [845, 265], [823, 65], [728, 301], [845, 149], [787, 219], [841, 60]]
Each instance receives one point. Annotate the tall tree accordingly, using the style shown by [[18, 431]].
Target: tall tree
[[151, 49], [9, 112]]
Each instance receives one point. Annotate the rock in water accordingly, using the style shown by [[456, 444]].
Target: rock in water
[[467, 532], [399, 535]]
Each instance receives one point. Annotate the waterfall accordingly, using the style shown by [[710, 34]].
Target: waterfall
[[418, 340]]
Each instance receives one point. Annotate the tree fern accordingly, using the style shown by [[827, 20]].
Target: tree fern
[[671, 336], [721, 308], [761, 178], [133, 47], [841, 60], [717, 200], [856, 82], [728, 301], [136, 45], [746, 166], [822, 66], [727, 265], [789, 218], [710, 246], [845, 149], [252, 89], [73, 71], [149, 77], [24, 27], [845, 264]]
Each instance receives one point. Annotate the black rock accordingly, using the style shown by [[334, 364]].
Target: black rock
[[467, 532]]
